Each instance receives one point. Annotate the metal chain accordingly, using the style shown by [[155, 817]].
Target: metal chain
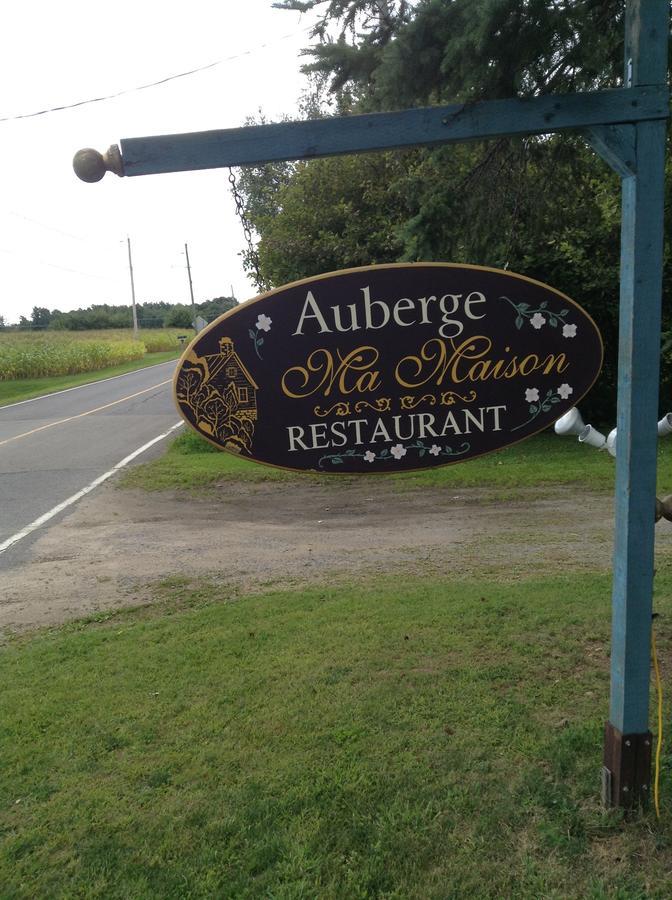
[[252, 253]]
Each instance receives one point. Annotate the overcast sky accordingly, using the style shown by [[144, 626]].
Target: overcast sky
[[63, 242]]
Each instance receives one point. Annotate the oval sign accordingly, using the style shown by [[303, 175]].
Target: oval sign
[[388, 368]]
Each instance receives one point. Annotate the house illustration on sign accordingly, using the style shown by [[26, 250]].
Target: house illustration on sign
[[219, 396], [229, 377]]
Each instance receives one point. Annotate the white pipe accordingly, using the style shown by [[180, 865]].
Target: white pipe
[[592, 437]]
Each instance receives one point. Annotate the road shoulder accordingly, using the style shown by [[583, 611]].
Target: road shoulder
[[116, 546]]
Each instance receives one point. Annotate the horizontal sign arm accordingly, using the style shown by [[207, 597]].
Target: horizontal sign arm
[[258, 144]]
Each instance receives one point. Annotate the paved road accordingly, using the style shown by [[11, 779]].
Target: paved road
[[53, 447]]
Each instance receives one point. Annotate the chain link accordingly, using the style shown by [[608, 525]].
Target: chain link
[[252, 255]]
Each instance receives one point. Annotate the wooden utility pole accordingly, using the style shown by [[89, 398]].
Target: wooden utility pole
[[130, 270], [191, 288]]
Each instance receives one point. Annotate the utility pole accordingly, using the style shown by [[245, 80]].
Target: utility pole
[[191, 288], [130, 269]]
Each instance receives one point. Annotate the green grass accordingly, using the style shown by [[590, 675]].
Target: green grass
[[403, 739], [191, 462], [26, 388]]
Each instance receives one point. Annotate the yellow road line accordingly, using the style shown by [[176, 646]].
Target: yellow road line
[[89, 412]]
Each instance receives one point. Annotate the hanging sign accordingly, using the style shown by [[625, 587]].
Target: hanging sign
[[388, 368]]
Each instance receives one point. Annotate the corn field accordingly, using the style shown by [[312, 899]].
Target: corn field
[[30, 355]]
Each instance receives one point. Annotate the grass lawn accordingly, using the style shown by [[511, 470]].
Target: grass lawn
[[397, 739], [191, 462], [26, 388]]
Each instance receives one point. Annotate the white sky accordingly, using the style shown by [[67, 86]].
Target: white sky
[[63, 242]]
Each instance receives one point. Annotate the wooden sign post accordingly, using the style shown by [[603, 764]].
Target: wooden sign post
[[627, 127]]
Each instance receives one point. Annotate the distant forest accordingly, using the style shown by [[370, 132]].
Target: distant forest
[[150, 315]]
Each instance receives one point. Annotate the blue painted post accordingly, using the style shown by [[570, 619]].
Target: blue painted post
[[627, 738]]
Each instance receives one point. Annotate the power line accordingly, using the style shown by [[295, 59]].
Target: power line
[[152, 84], [76, 237], [50, 265]]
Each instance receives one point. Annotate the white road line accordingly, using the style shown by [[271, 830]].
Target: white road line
[[15, 538], [88, 384]]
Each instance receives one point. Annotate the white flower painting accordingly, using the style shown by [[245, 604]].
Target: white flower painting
[[569, 330], [398, 451], [537, 321], [531, 395], [264, 322], [565, 391]]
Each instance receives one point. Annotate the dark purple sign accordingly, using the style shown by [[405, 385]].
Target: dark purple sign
[[388, 368]]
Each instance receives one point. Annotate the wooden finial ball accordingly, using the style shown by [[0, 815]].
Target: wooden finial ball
[[89, 165]]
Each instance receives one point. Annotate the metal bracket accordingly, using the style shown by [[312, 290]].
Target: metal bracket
[[626, 773], [607, 788]]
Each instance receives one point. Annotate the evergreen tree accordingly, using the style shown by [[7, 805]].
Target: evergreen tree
[[364, 29], [398, 54]]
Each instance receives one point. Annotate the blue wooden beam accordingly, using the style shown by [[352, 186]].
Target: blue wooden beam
[[638, 378], [258, 144], [627, 744], [616, 145]]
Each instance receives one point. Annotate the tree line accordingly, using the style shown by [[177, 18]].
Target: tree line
[[158, 314], [545, 206]]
